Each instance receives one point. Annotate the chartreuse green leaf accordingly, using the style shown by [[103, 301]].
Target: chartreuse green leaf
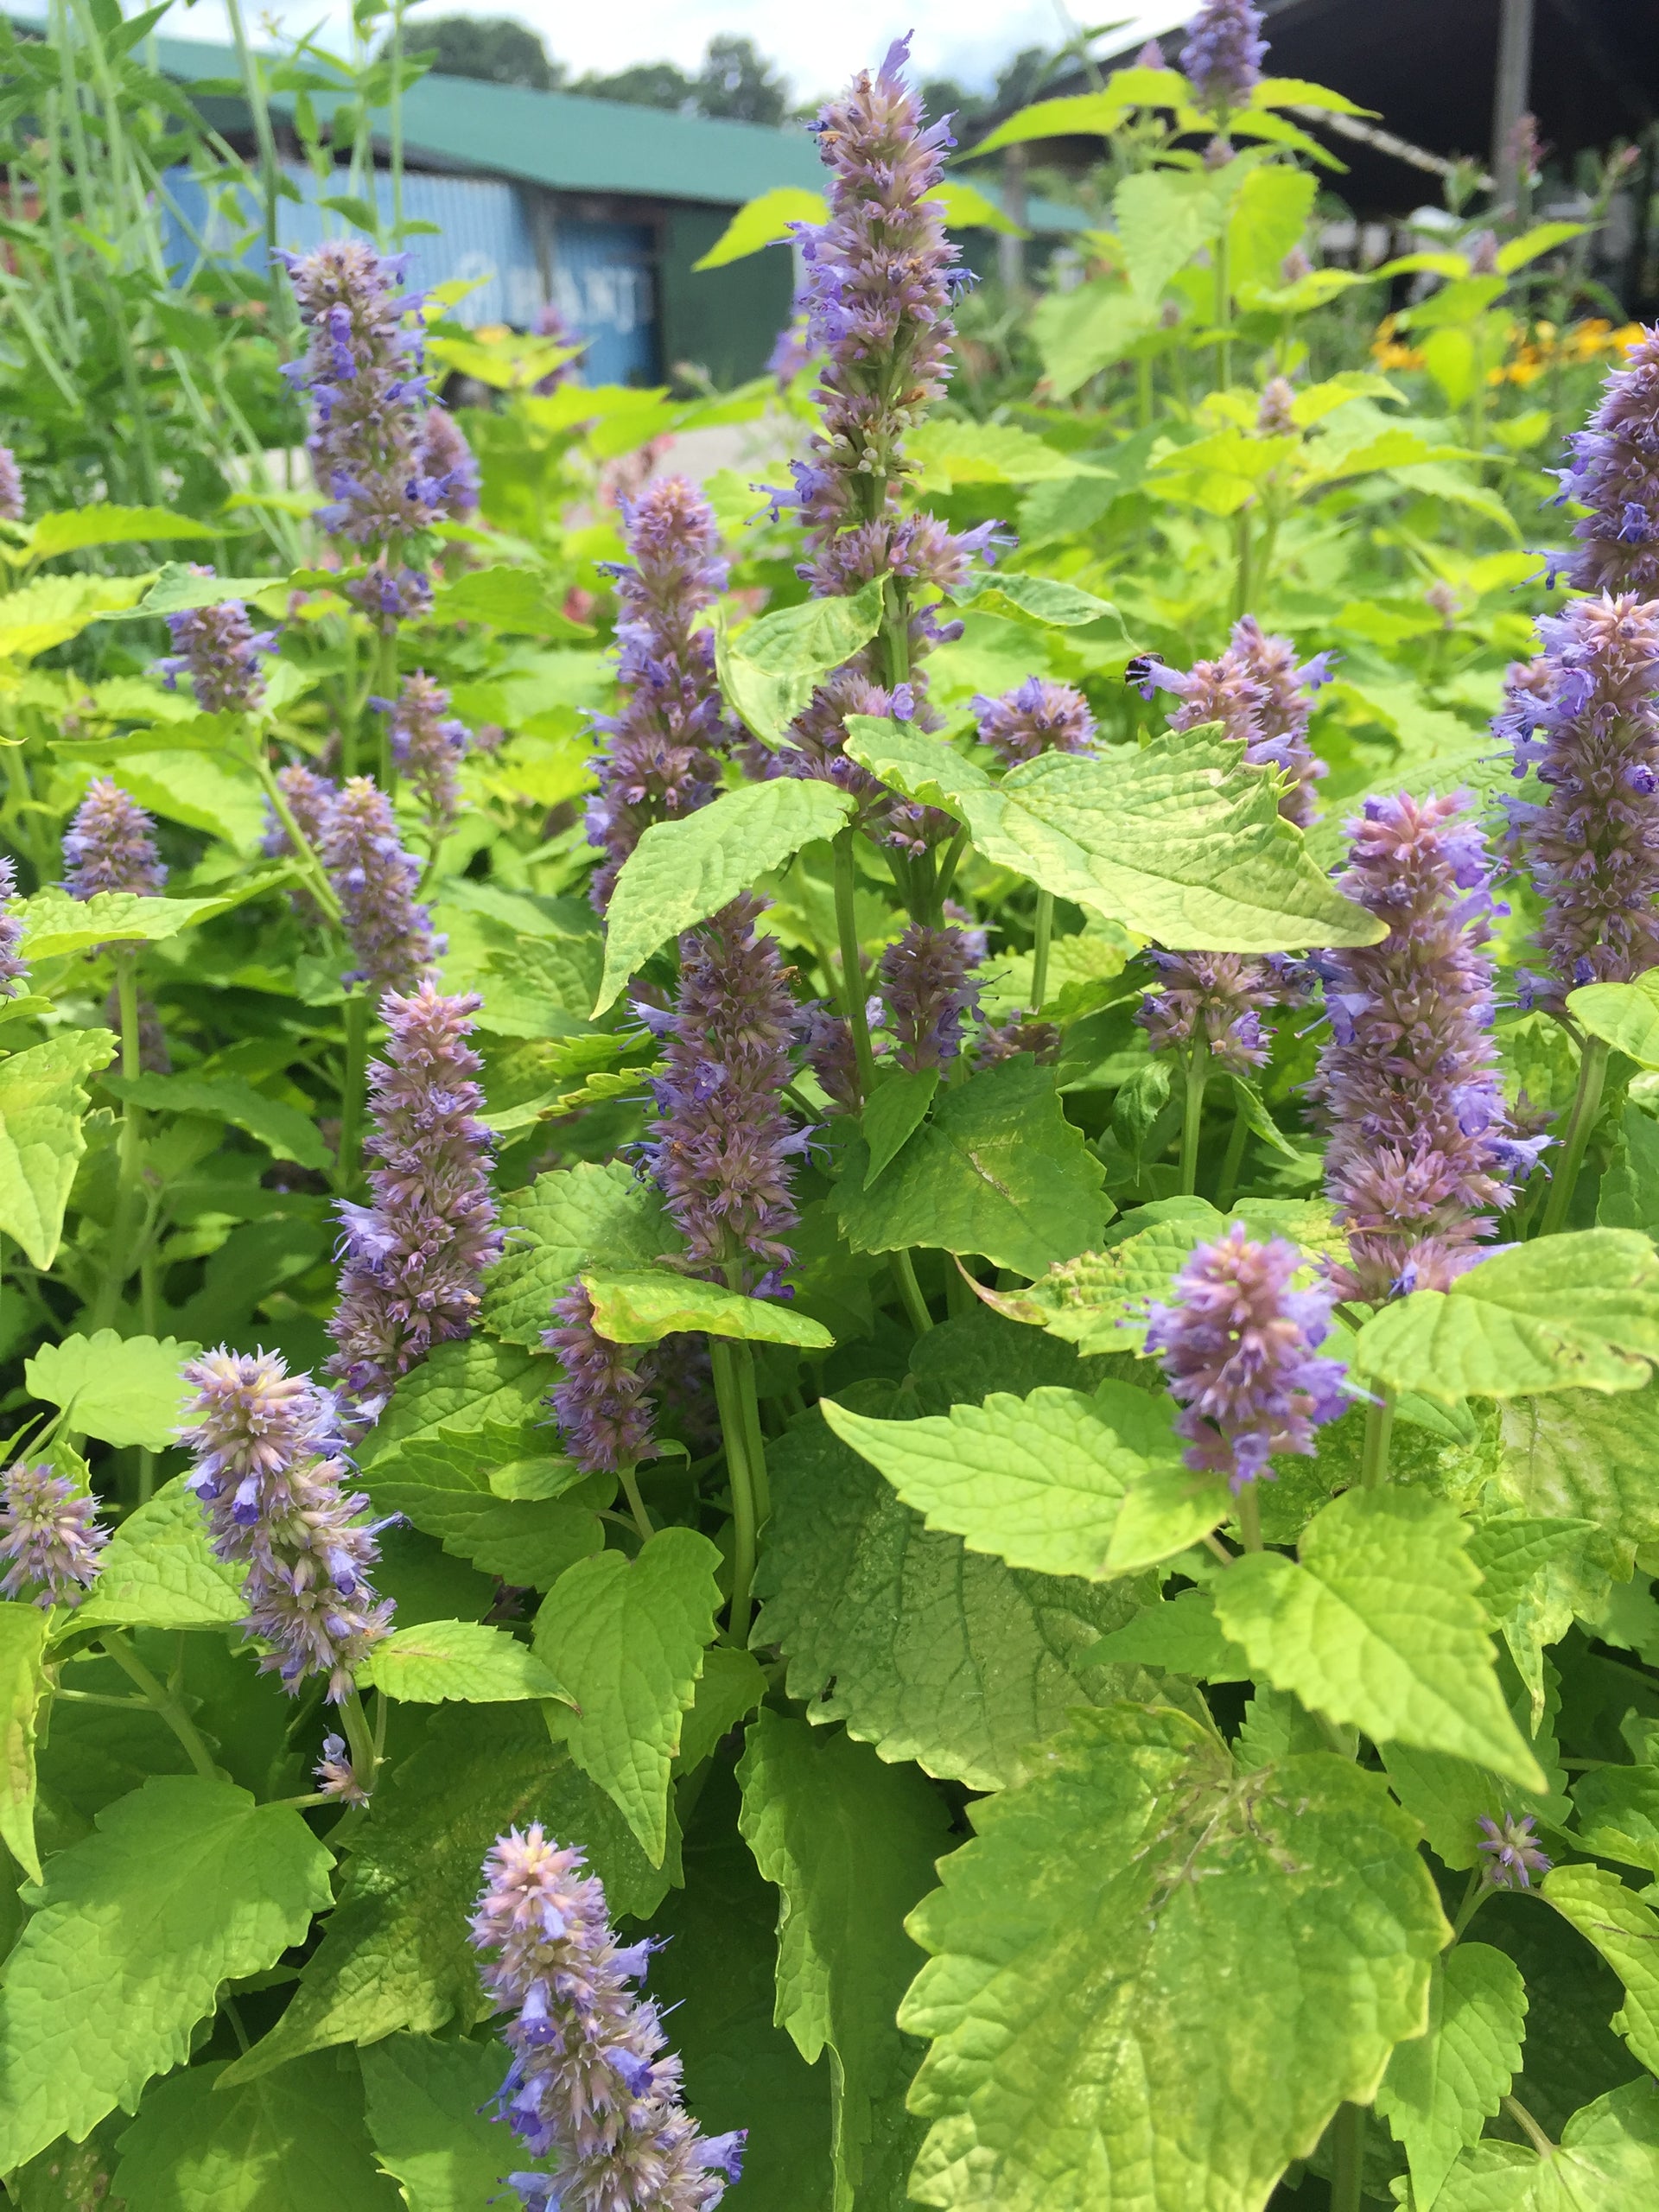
[[460, 1389], [394, 1954], [507, 598], [643, 1306], [924, 1649], [23, 1680], [284, 1131], [1377, 1623], [463, 1660], [54, 924], [1579, 1312], [999, 1170], [42, 1098], [75, 530], [289, 2142], [182, 1886], [1183, 1634], [590, 1215], [1626, 1933], [1625, 1016], [769, 670], [158, 1570], [446, 1484], [1154, 1978], [1044, 1481], [1607, 2161], [763, 221], [893, 1112], [120, 1389], [1442, 2087], [729, 1687], [427, 2121], [626, 1637], [681, 872], [1583, 1455], [1179, 841], [1618, 1814], [850, 1844]]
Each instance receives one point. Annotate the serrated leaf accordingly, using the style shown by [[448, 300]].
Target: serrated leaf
[[290, 2142], [1607, 2161], [394, 1954], [285, 1132], [120, 1389], [1625, 1016], [1442, 2087], [626, 1637], [23, 1680], [54, 924], [850, 1844], [52, 609], [1179, 840], [893, 1112], [42, 1098], [75, 530], [180, 587], [1626, 1933], [999, 1171], [729, 1687], [1041, 1481], [1183, 1634], [1618, 1814], [465, 1661], [516, 600], [926, 1649], [462, 1387], [158, 1570], [1163, 217], [183, 1885], [590, 1215], [769, 670], [1578, 1312], [1154, 1979], [763, 221], [447, 1486], [1039, 599], [642, 1306], [1583, 1455], [681, 872], [426, 2118], [1377, 1625]]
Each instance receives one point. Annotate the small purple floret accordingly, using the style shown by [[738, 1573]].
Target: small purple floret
[[49, 1537], [1036, 716], [1513, 1853]]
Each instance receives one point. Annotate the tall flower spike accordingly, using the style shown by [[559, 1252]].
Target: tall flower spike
[[1421, 1150], [11, 487], [1223, 57], [1258, 691], [1615, 472], [429, 744], [1594, 845], [108, 846], [1239, 1348], [413, 1260], [447, 461], [660, 755], [364, 374], [591, 2084], [601, 1405], [50, 1539], [13, 971], [374, 879], [1036, 716], [269, 1469], [218, 649], [721, 1147], [928, 995]]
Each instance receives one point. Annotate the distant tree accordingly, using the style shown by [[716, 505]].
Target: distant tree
[[648, 84], [493, 48], [739, 84], [943, 96]]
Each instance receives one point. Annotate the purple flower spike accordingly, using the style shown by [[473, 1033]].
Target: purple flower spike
[[48, 1536], [1258, 692], [270, 1468], [1594, 845], [13, 970], [429, 746], [374, 879], [928, 995], [591, 2084], [1037, 716], [722, 1149], [1513, 1855], [11, 487], [601, 1405], [446, 461], [109, 846], [1216, 1000], [1240, 1350], [660, 757], [1615, 472], [218, 649], [413, 1260], [1223, 57], [1421, 1148]]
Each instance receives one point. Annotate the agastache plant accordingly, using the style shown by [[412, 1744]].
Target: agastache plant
[[375, 879], [50, 1538], [1615, 473], [13, 969], [1258, 691], [592, 2085], [110, 845], [429, 745], [926, 979], [218, 649], [11, 486], [1037, 716], [1223, 56]]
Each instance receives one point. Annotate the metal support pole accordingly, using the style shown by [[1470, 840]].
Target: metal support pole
[[1011, 252], [1510, 92]]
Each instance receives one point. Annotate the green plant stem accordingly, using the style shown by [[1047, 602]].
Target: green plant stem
[[1529, 2128], [355, 1014], [754, 1440], [1249, 1518], [365, 1758], [1473, 1897], [1040, 950], [1223, 313], [642, 1520], [728, 1399], [949, 865], [1143, 403], [1241, 566], [316, 875], [385, 687], [162, 1702], [904, 1274], [1198, 1074], [1587, 1104], [1348, 2158], [1379, 1431], [852, 961], [1233, 1161], [129, 1163]]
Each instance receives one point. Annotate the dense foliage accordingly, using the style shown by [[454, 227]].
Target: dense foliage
[[830, 1331]]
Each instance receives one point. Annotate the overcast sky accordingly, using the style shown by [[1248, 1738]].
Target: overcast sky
[[817, 45]]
